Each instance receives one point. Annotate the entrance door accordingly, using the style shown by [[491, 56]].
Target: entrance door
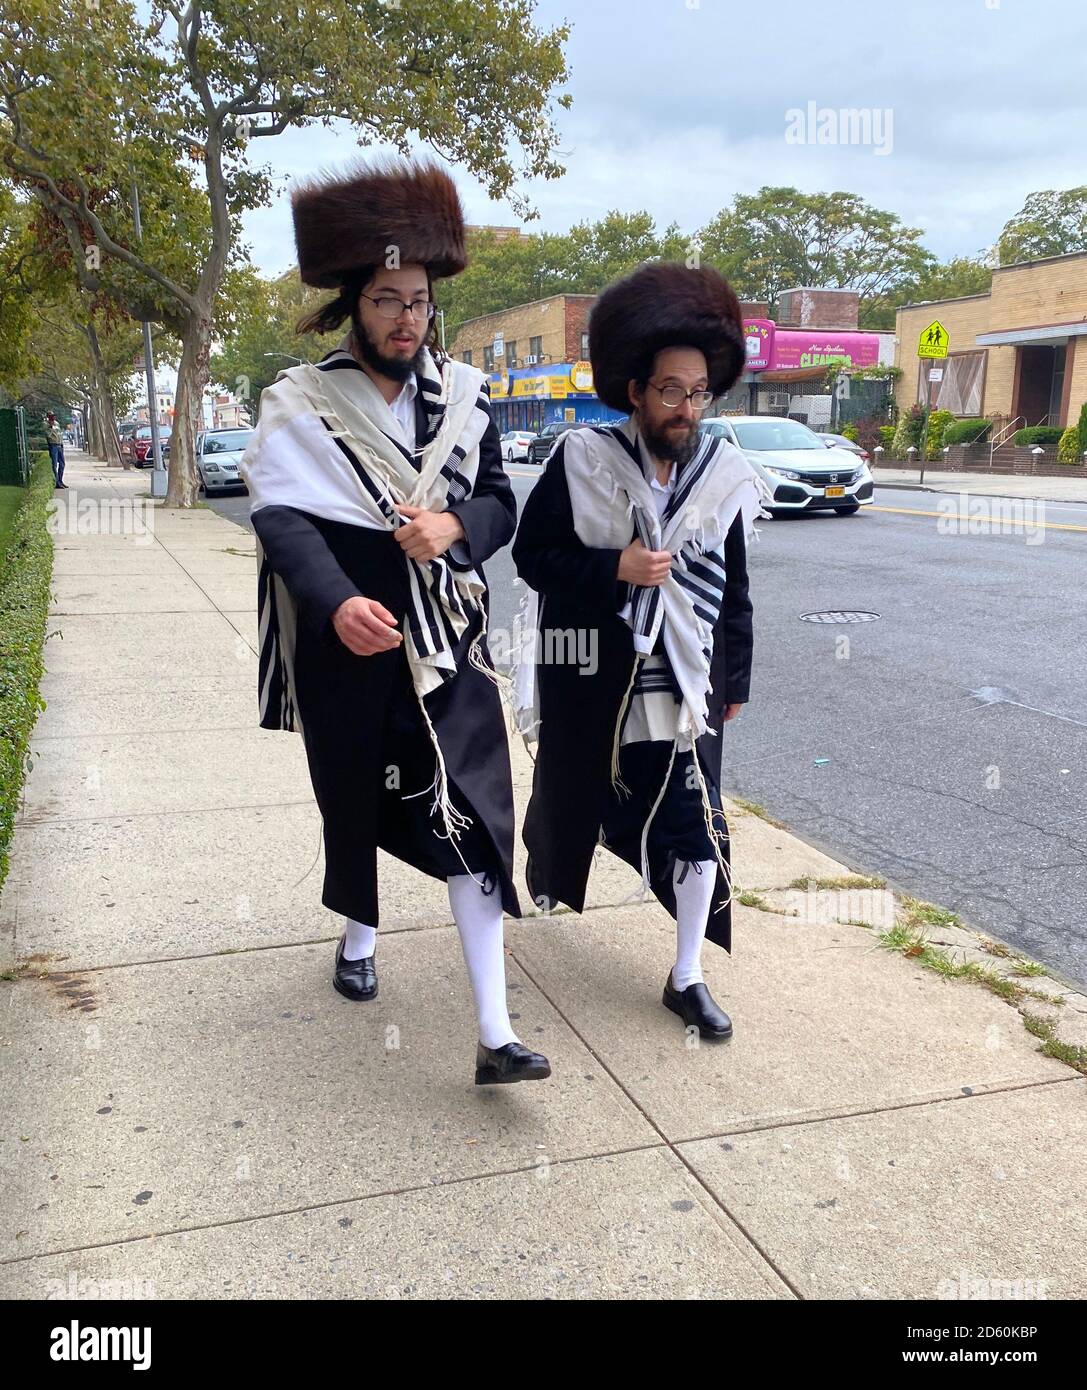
[[1041, 372]]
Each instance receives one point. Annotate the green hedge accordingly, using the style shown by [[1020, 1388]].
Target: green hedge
[[26, 572], [938, 423], [967, 431], [1048, 436], [1068, 448]]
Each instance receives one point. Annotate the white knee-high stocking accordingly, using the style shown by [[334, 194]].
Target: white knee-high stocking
[[479, 921], [694, 882], [359, 941]]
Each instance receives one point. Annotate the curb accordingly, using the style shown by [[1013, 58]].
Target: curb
[[1010, 496]]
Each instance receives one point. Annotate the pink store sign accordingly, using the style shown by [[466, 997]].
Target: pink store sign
[[800, 347], [759, 339]]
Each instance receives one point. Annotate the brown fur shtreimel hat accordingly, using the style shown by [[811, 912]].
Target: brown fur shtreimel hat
[[663, 304], [345, 221]]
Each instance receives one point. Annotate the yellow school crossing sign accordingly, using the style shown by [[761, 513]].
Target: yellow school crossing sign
[[933, 340]]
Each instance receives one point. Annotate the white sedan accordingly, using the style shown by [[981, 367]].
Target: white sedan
[[802, 473], [515, 445]]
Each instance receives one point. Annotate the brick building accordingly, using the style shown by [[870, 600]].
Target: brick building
[[536, 356], [1015, 353]]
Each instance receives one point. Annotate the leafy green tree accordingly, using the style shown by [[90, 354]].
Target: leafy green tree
[[963, 275], [777, 238], [97, 96], [1050, 223]]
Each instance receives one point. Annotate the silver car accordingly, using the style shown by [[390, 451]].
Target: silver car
[[801, 471], [218, 453]]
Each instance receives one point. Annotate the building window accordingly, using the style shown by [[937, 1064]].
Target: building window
[[535, 348], [511, 352], [959, 386], [584, 347], [488, 359], [467, 357]]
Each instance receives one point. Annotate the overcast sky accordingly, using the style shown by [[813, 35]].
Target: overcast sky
[[680, 104]]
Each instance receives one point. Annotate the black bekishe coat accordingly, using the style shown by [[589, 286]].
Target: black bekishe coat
[[346, 701], [571, 786]]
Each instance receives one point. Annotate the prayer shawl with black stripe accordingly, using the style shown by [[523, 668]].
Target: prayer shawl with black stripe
[[609, 492], [327, 443], [666, 697]]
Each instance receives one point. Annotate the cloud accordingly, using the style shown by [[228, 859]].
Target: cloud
[[680, 105]]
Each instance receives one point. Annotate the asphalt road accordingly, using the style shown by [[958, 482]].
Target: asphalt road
[[943, 744]]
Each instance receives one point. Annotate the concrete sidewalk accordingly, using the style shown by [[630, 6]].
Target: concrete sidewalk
[[985, 484], [188, 1106]]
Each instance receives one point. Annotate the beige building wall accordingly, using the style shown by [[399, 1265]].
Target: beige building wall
[[1030, 295], [964, 319]]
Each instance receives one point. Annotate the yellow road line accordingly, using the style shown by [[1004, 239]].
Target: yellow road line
[[915, 511]]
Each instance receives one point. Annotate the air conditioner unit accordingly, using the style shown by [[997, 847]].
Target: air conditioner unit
[[531, 361]]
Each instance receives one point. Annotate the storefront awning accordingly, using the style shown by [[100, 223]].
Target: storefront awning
[[793, 374], [1043, 333]]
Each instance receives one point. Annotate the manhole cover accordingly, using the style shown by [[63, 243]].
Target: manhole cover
[[838, 615]]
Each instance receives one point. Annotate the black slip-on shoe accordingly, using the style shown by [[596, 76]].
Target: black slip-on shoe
[[354, 979], [695, 1005], [499, 1066]]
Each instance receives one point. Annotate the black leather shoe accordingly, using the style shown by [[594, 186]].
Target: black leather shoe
[[695, 1005], [354, 979], [498, 1066]]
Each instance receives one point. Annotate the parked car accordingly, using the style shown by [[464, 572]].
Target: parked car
[[839, 441], [137, 447], [515, 445], [541, 444], [218, 453], [802, 472]]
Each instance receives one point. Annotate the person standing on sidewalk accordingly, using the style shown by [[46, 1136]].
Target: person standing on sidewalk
[[377, 493], [634, 539], [54, 437]]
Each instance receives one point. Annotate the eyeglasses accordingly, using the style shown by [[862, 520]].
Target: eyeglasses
[[673, 396], [389, 308]]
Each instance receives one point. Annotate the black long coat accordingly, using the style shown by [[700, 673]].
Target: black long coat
[[571, 783], [344, 698]]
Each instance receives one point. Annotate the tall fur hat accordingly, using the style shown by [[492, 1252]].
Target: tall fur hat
[[660, 305], [342, 222]]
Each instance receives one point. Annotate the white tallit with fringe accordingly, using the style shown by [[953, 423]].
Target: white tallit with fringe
[[327, 443], [609, 491]]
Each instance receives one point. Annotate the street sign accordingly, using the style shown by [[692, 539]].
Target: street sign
[[933, 340], [936, 374]]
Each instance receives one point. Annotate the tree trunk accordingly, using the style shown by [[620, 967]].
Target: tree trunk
[[94, 434], [108, 441], [192, 377]]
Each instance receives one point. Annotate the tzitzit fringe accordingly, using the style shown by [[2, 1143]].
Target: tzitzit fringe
[[717, 837], [455, 821], [502, 683], [646, 881], [617, 781]]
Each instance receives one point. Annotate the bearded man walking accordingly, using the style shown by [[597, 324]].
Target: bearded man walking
[[378, 492], [634, 539]]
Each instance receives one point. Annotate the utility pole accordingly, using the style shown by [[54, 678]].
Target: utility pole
[[158, 472]]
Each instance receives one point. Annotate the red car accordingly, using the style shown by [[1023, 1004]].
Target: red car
[[137, 447]]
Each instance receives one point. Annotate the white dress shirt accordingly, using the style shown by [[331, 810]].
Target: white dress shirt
[[403, 408]]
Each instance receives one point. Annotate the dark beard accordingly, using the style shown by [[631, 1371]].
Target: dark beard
[[395, 368], [671, 445]]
